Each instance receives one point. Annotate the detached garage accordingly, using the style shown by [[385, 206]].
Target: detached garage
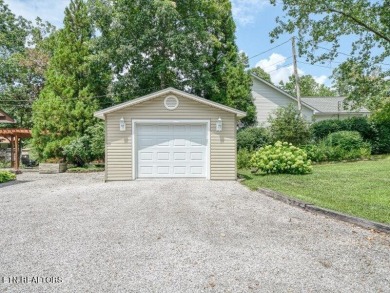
[[170, 134]]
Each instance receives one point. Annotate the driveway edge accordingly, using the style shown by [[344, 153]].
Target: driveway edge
[[336, 215]]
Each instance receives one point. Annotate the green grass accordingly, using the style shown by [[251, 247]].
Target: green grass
[[360, 188]]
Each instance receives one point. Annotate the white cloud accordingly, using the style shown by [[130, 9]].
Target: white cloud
[[320, 79], [47, 10], [275, 66], [245, 11]]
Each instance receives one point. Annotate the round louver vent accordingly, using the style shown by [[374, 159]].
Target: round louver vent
[[171, 102]]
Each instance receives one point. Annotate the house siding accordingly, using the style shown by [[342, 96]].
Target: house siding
[[267, 100], [119, 143], [340, 116]]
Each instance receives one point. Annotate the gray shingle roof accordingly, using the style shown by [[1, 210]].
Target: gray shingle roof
[[331, 105]]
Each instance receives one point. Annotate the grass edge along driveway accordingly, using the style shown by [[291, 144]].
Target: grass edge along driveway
[[360, 189]]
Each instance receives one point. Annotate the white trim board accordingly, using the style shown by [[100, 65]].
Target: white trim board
[[101, 114]]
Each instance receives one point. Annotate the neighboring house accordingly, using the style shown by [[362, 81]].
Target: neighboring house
[[5, 118], [333, 108], [267, 98], [170, 133]]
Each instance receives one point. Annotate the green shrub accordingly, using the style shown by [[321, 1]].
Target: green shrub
[[346, 140], [322, 129], [287, 125], [6, 176], [78, 151], [281, 158], [338, 146], [252, 138], [243, 159], [96, 140], [381, 144]]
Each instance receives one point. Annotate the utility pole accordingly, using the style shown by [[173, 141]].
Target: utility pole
[[297, 89]]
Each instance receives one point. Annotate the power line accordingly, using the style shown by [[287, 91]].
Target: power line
[[280, 67], [270, 49], [249, 58], [345, 54], [284, 60], [329, 67]]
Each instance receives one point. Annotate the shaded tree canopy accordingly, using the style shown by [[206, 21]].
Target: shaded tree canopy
[[189, 45]]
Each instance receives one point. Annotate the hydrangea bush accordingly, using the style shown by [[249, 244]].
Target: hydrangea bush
[[281, 158]]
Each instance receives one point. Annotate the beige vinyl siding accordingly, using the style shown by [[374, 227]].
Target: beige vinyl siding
[[268, 99], [340, 116], [222, 144]]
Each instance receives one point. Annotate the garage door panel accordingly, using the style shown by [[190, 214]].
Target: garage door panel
[[196, 170], [179, 156], [146, 170], [146, 156], [163, 156], [171, 150], [197, 156], [198, 141], [179, 142]]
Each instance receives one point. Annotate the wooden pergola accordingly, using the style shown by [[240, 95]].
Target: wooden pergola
[[14, 135]]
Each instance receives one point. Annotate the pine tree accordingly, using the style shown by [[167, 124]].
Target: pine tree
[[65, 107]]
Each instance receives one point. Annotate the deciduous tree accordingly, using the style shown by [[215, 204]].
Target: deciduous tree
[[308, 86], [321, 25], [189, 45]]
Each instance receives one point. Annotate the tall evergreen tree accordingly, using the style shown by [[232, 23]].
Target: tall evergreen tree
[[186, 44], [74, 79]]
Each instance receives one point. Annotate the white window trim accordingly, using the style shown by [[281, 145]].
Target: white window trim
[[134, 123]]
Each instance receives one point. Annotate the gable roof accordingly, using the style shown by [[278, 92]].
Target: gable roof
[[5, 118], [331, 105], [283, 92], [100, 114]]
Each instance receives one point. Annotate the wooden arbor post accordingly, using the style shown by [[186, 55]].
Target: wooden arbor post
[[14, 135]]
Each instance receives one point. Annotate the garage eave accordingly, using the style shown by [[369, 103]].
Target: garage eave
[[101, 114]]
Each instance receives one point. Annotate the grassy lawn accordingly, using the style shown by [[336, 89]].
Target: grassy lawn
[[360, 188]]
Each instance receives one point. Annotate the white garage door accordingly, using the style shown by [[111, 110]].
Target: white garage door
[[171, 150]]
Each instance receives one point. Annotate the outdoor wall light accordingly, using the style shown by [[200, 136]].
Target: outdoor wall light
[[122, 124], [218, 125]]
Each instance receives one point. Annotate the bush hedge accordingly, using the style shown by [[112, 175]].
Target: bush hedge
[[381, 143], [338, 146], [323, 128], [6, 176], [346, 140], [252, 138], [243, 159]]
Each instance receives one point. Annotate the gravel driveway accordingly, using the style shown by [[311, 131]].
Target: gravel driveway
[[74, 233]]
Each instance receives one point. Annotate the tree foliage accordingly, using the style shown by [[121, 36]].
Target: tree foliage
[[26, 69], [259, 72], [365, 88], [189, 45], [319, 24], [308, 87], [74, 80]]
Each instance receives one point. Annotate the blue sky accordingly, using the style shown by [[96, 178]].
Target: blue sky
[[254, 20]]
